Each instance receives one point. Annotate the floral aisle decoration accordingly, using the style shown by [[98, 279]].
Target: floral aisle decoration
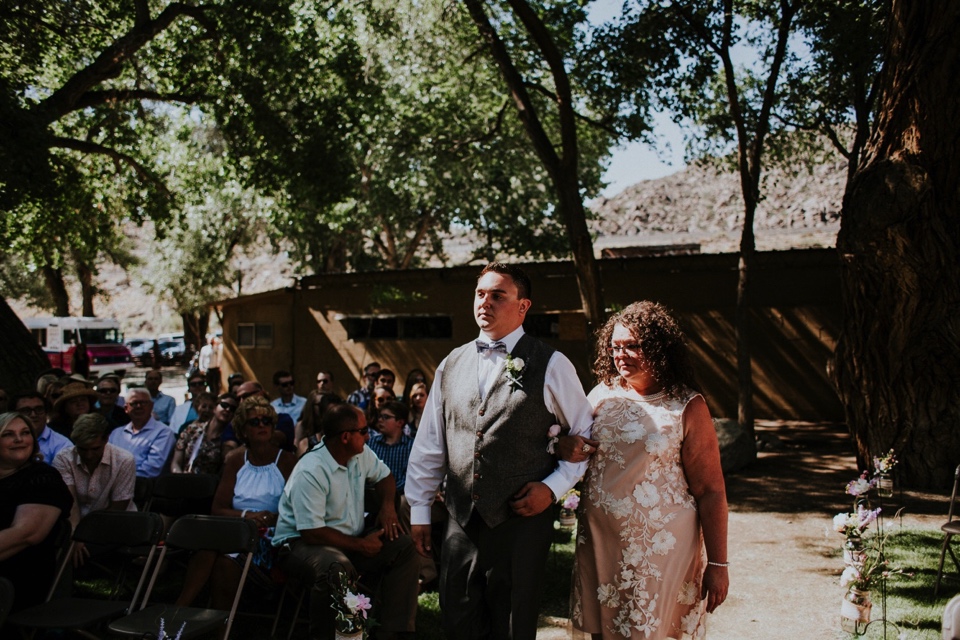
[[883, 470], [352, 608], [162, 633], [866, 567], [568, 508]]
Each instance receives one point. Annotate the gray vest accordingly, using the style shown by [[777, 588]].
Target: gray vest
[[494, 447]]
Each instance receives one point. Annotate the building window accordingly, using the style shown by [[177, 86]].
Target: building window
[[254, 335], [398, 327], [542, 325]]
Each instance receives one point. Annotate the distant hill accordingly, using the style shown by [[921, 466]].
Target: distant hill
[[696, 205]]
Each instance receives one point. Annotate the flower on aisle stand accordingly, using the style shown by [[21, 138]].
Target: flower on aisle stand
[[885, 463], [571, 500], [568, 507], [352, 607], [514, 370], [162, 633], [861, 486]]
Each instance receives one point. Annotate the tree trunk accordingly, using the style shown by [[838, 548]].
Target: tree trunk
[[195, 327], [21, 358], [87, 289], [58, 290], [898, 356]]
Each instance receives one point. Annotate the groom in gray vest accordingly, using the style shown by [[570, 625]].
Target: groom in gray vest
[[485, 428]]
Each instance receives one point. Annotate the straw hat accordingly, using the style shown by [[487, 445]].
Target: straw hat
[[75, 389]]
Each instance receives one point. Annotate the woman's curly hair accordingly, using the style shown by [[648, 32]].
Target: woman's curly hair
[[245, 412], [661, 341]]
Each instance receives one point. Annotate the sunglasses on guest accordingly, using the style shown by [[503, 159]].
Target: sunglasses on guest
[[256, 422], [226, 406]]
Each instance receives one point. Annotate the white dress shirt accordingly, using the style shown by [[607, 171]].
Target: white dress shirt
[[563, 396]]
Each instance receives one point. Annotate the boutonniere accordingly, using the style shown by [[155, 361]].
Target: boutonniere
[[514, 371]]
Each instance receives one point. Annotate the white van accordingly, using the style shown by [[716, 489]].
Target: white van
[[59, 336]]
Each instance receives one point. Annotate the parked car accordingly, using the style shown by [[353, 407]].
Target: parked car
[[141, 349], [173, 351]]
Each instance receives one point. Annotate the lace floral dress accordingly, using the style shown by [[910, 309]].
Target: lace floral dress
[[639, 552]]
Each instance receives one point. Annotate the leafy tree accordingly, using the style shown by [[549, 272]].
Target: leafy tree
[[897, 357], [531, 44]]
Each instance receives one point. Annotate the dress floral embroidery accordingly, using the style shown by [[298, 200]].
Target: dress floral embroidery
[[639, 552]]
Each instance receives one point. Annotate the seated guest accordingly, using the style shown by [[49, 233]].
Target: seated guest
[[199, 448], [418, 400], [288, 402], [284, 432], [186, 412], [35, 406], [380, 396], [251, 486], [149, 440], [75, 400], [321, 523], [163, 405], [416, 376], [234, 380], [98, 475], [108, 390], [206, 404], [386, 378], [308, 428], [390, 444], [34, 505]]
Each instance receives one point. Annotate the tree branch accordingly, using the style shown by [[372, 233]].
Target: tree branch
[[111, 60], [489, 134], [85, 146], [94, 98]]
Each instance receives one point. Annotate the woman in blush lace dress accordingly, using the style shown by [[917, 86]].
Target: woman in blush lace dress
[[651, 552]]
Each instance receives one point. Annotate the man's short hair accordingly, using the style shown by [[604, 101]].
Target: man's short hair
[[206, 395], [36, 395], [329, 374], [196, 375], [519, 277], [387, 372], [112, 377], [279, 375], [339, 418], [372, 364], [397, 408], [139, 391], [90, 427], [236, 375]]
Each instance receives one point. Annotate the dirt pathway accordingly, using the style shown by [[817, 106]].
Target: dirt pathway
[[784, 556]]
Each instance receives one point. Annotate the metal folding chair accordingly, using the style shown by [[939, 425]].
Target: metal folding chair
[[194, 533], [950, 528], [111, 531]]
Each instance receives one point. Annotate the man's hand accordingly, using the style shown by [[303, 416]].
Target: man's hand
[[389, 521], [371, 543], [80, 554], [422, 539], [576, 448], [533, 498]]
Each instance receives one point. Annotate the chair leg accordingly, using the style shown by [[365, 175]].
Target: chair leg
[[943, 555], [296, 611], [276, 617]]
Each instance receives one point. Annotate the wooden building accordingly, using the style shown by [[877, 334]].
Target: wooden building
[[407, 319]]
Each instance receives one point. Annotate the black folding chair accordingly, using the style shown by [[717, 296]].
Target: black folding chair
[[180, 494], [109, 531], [194, 533], [950, 528]]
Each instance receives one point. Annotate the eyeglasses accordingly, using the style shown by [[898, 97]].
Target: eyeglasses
[[137, 403], [32, 411], [386, 416], [226, 406], [288, 383], [632, 350], [363, 431], [197, 383], [108, 390], [256, 422]]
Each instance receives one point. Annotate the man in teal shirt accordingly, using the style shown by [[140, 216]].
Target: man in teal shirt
[[321, 523]]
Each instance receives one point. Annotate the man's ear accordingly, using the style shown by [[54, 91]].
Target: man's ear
[[525, 304]]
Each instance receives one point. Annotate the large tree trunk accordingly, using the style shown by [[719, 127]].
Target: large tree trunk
[[21, 358], [58, 290], [195, 327], [898, 357], [87, 289]]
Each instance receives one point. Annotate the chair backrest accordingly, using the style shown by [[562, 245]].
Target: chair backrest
[[223, 534], [953, 496], [179, 494], [119, 528]]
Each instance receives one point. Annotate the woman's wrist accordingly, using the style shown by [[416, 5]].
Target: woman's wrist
[[718, 564]]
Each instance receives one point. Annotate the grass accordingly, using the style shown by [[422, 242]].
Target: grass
[[910, 601]]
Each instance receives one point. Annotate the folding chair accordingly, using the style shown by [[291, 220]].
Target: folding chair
[[950, 529], [110, 530], [194, 533], [180, 494]]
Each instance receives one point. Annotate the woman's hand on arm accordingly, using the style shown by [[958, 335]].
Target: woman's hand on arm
[[700, 455]]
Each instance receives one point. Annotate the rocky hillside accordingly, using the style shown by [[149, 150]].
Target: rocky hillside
[[694, 206]]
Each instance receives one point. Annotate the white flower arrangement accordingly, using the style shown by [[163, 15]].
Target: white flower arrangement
[[514, 370]]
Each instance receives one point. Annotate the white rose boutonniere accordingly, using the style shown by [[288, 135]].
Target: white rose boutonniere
[[514, 371]]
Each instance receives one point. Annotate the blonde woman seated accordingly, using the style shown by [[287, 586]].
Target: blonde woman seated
[[253, 479]]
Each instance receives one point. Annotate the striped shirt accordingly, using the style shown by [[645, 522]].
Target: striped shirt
[[394, 456]]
